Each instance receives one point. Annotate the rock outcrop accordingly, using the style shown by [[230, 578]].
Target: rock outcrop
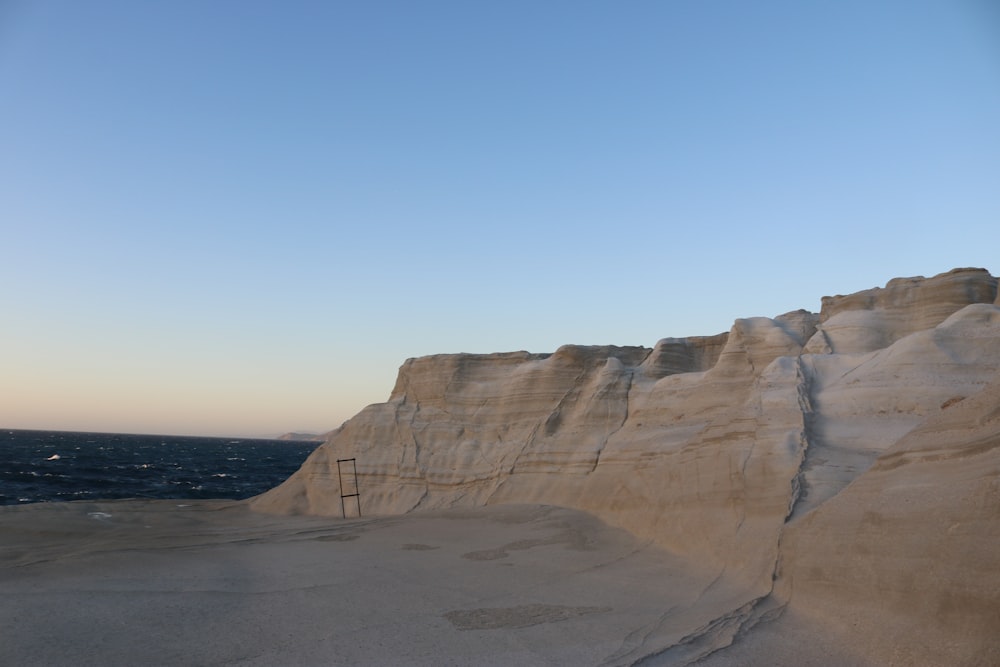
[[911, 548], [767, 455]]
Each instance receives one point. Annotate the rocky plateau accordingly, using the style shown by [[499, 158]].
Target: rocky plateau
[[837, 472]]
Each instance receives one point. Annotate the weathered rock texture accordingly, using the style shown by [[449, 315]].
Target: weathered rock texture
[[846, 464]]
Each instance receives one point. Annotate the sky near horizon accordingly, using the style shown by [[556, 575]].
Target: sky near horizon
[[240, 218]]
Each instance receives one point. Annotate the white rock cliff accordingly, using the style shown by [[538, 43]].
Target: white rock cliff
[[842, 466]]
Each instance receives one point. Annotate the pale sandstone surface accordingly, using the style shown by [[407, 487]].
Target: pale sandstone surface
[[722, 450], [163, 583], [916, 538], [901, 568]]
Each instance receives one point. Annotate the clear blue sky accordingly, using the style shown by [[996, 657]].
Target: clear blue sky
[[241, 217]]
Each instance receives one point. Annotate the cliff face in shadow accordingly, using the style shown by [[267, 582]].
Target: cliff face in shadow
[[723, 449]]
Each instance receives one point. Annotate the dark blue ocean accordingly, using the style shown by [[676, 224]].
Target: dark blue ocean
[[40, 466]]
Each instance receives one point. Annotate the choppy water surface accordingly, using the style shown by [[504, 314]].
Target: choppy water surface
[[39, 466]]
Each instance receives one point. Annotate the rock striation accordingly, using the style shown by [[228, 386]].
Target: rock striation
[[840, 464]]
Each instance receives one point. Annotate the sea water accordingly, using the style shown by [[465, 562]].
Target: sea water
[[40, 466]]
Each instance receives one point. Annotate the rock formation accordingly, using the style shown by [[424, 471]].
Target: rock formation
[[844, 465]]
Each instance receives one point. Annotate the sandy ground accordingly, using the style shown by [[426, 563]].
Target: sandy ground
[[212, 583]]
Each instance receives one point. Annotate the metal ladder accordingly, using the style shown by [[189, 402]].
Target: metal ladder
[[357, 491]]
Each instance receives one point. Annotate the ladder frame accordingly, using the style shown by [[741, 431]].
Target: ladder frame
[[357, 489]]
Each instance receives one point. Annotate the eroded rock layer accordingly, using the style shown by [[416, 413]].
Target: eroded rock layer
[[723, 449]]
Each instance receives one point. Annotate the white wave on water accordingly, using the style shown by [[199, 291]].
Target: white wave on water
[[117, 466]]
